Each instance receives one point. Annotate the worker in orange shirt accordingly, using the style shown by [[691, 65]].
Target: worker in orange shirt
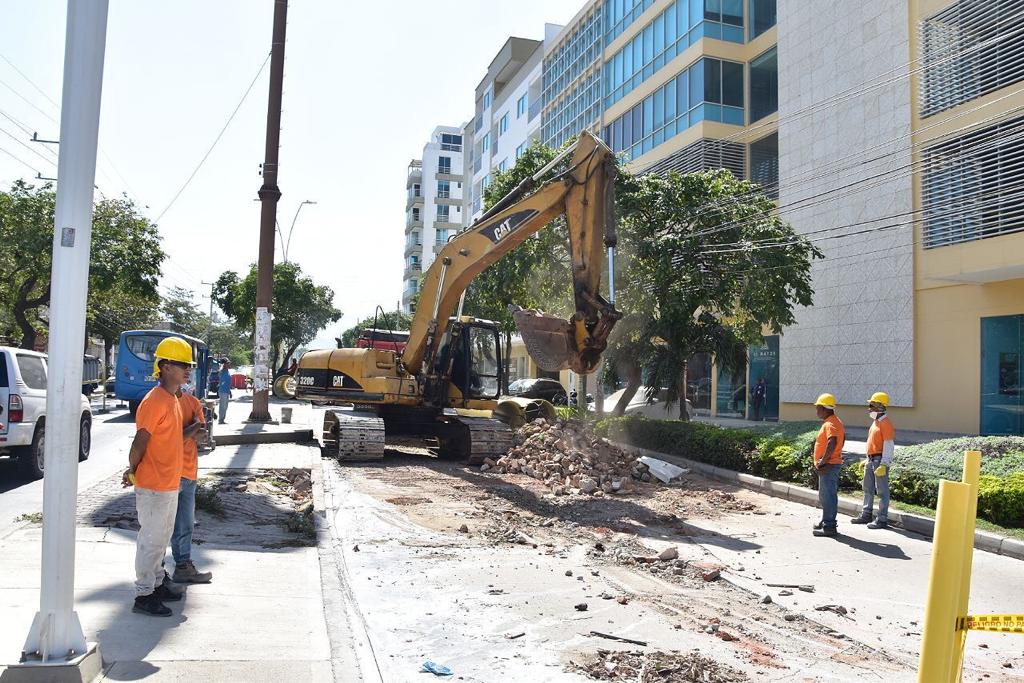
[[154, 468], [828, 462], [881, 446], [185, 517]]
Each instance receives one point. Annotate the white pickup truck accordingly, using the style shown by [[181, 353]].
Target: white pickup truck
[[23, 410]]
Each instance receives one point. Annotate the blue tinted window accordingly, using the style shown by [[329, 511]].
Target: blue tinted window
[[762, 16], [732, 12], [712, 80]]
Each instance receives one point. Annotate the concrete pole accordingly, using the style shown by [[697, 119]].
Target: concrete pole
[[269, 194], [56, 634]]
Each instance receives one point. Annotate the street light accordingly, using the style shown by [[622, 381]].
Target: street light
[[286, 243]]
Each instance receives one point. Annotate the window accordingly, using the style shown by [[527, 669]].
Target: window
[[521, 106], [968, 50], [441, 237], [488, 95], [451, 143], [416, 190], [142, 346], [971, 185], [762, 16], [503, 166], [764, 164], [503, 124], [485, 182], [32, 371], [764, 85], [444, 213], [444, 165], [520, 150], [444, 189], [483, 364], [485, 143], [416, 214]]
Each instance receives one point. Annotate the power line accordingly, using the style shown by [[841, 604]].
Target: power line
[[30, 81], [20, 161], [216, 140]]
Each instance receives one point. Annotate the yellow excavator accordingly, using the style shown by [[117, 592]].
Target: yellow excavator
[[445, 386]]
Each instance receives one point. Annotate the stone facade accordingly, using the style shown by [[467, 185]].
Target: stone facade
[[844, 161]]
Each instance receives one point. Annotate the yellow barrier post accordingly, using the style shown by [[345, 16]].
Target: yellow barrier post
[[972, 470], [938, 635]]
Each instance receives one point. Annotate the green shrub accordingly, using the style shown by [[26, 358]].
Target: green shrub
[[778, 461], [718, 446], [944, 459], [1001, 499]]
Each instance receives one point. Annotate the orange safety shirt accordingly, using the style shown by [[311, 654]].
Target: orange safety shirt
[[881, 430], [191, 409], [160, 415], [831, 427]]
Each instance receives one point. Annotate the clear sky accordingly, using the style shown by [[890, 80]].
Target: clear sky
[[365, 84]]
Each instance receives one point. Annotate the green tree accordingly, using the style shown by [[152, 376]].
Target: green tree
[[179, 309], [707, 267], [112, 311], [125, 255], [393, 320], [301, 308]]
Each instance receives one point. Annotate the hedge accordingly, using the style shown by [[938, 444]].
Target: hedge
[[783, 453]]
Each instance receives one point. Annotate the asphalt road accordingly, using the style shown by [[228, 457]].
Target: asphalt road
[[112, 434]]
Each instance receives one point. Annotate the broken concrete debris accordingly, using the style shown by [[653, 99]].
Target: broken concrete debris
[[647, 667], [570, 459]]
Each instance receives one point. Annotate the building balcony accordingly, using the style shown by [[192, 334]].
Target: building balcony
[[413, 224], [415, 173], [535, 108], [413, 248], [447, 225], [412, 270], [415, 199]]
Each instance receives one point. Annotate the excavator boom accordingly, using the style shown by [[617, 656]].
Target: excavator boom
[[584, 193]]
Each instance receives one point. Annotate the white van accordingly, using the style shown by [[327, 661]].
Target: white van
[[23, 410]]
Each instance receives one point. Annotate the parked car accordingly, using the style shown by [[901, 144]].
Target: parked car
[[539, 387], [23, 422]]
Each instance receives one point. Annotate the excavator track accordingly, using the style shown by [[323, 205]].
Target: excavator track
[[353, 436], [488, 438]]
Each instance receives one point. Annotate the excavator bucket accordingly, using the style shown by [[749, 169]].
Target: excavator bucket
[[551, 342]]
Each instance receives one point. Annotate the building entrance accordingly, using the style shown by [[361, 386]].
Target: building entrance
[[1002, 343]]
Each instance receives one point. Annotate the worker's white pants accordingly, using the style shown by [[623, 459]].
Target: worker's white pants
[[156, 511]]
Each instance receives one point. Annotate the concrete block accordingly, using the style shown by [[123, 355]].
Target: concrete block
[[82, 669], [1012, 547], [984, 540], [799, 494]]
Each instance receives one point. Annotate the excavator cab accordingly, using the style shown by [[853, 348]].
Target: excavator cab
[[470, 360]]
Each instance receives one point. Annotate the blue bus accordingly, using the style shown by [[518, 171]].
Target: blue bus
[[134, 371]]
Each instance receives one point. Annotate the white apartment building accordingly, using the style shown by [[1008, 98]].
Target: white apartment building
[[434, 205]]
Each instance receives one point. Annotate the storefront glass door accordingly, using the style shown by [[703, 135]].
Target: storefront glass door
[[1002, 343], [764, 365]]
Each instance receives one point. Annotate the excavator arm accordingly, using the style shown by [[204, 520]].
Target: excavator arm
[[584, 193]]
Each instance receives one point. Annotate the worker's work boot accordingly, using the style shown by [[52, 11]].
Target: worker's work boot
[[170, 586], [819, 525], [863, 519], [150, 605], [879, 524], [829, 531], [186, 573], [165, 594]]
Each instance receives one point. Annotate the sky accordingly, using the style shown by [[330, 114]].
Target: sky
[[365, 84]]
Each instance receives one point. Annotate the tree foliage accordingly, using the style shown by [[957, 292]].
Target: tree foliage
[[393, 320], [707, 267], [180, 311], [301, 308], [125, 258]]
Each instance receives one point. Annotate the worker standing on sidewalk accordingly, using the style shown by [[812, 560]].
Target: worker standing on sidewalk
[[224, 389], [185, 517], [828, 462], [154, 468], [881, 446]]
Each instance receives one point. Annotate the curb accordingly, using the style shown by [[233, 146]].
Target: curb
[[294, 436], [983, 540]]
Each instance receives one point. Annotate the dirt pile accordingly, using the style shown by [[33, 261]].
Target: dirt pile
[[650, 667], [570, 459]]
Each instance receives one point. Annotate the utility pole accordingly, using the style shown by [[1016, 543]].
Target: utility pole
[[56, 636], [269, 194]]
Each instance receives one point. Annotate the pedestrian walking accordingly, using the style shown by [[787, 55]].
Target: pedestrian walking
[[828, 461], [757, 399], [881, 446], [185, 516], [224, 389], [154, 468]]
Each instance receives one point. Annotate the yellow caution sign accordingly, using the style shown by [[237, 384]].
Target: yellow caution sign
[[1000, 623]]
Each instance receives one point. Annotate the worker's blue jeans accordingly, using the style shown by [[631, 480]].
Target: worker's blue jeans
[[184, 522], [872, 484], [224, 398], [828, 494]]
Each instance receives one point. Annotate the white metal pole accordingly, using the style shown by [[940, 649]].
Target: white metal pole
[[56, 633]]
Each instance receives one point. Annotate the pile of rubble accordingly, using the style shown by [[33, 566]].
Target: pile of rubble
[[570, 459], [647, 667]]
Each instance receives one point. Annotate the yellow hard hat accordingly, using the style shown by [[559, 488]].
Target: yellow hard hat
[[172, 348], [827, 401], [880, 397]]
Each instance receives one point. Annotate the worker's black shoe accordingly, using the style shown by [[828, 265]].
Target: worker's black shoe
[[829, 531], [878, 524], [165, 594], [819, 525], [151, 605], [863, 519]]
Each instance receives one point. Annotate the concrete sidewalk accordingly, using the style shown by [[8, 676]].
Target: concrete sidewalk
[[261, 619], [238, 431]]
